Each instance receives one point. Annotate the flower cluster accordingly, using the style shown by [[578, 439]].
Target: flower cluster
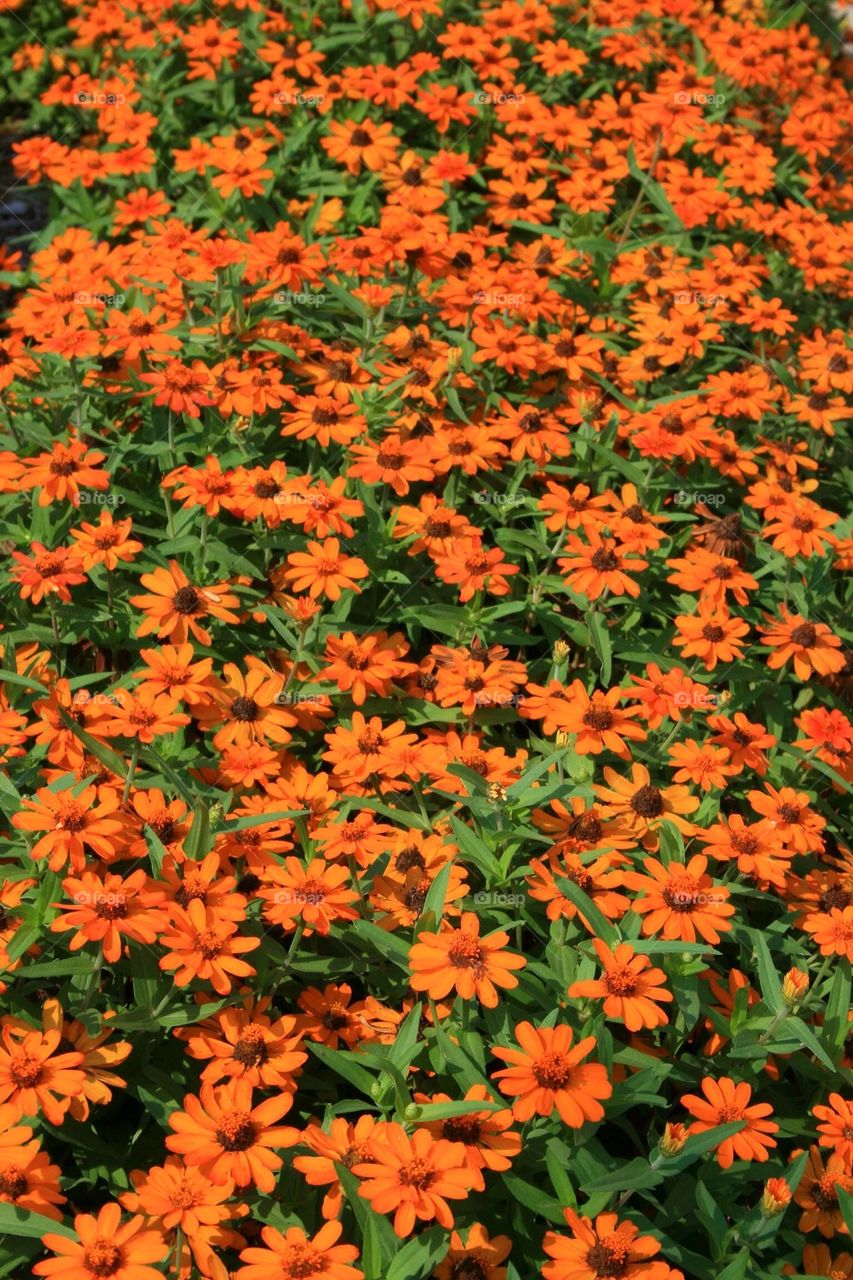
[[425, 668]]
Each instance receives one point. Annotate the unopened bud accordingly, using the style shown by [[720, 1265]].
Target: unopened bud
[[561, 650], [215, 814], [241, 424], [673, 1140], [776, 1198], [497, 794], [454, 358], [795, 984], [413, 1112], [563, 738]]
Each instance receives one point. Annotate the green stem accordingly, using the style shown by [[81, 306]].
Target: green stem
[[131, 770]]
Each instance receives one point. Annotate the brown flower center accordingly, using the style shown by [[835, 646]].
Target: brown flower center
[[245, 709], [236, 1131], [186, 600], [552, 1071], [805, 635], [103, 1258], [647, 802]]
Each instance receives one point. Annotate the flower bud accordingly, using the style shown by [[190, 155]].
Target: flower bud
[[673, 1140], [454, 358], [563, 738], [413, 1112], [497, 794], [561, 650], [795, 984], [776, 1198]]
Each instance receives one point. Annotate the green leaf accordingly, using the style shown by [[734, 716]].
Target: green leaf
[[197, 843], [585, 905], [343, 1064], [845, 1204], [599, 634], [445, 1110], [768, 977], [109, 759], [420, 1256], [22, 1222]]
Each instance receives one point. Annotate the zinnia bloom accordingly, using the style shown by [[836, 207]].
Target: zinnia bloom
[[292, 1256], [604, 1250], [547, 1073], [105, 1249], [460, 959], [413, 1176], [725, 1101], [630, 988], [229, 1140]]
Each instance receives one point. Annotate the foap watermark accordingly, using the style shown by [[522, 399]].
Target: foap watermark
[[498, 698], [490, 899], [99, 900], [293, 698], [692, 98], [689, 498], [288, 99], [484, 498], [687, 298], [701, 899], [285, 299], [84, 299], [697, 699], [99, 99], [497, 99], [97, 498], [487, 298]]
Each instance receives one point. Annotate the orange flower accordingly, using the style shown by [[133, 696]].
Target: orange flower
[[365, 664], [171, 670], [600, 566], [33, 1076], [174, 607], [48, 573], [98, 1058], [467, 562], [837, 1127], [107, 543], [323, 570], [245, 1043], [460, 960], [63, 472], [108, 910], [725, 1101], [630, 988], [598, 721], [229, 1141], [204, 947], [711, 634], [812, 645], [412, 1176], [105, 1249], [547, 1073], [486, 1136], [345, 1144], [173, 1197], [642, 807], [680, 901], [27, 1178], [292, 1256], [314, 894], [247, 707], [72, 823], [817, 1194], [602, 1251], [479, 1257]]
